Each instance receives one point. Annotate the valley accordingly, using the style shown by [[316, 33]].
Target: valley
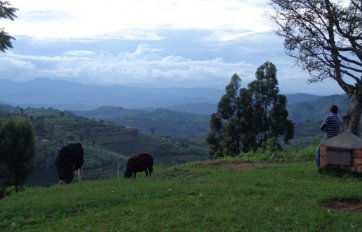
[[174, 134]]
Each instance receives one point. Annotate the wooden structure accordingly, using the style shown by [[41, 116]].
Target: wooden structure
[[343, 151]]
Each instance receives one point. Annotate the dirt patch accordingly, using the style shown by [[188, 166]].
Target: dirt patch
[[345, 205]]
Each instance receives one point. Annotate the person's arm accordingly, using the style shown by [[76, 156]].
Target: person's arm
[[323, 127]]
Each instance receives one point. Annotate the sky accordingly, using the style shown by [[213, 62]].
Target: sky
[[156, 43]]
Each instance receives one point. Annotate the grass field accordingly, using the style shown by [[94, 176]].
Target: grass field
[[214, 196]]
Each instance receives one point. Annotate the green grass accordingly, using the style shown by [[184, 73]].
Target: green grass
[[192, 197]]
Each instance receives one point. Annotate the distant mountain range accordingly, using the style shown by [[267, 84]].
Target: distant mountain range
[[66, 95], [191, 119]]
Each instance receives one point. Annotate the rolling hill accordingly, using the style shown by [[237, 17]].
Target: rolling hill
[[316, 110], [112, 134], [158, 121], [307, 111], [105, 143]]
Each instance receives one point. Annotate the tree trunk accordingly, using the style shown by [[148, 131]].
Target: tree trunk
[[353, 116]]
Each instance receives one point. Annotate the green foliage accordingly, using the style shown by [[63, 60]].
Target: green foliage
[[17, 148], [247, 117], [193, 197], [6, 12], [272, 152], [270, 113]]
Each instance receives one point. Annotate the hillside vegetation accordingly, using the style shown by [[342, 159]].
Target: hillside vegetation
[[105, 144], [153, 121], [116, 133], [307, 112], [316, 110], [222, 195]]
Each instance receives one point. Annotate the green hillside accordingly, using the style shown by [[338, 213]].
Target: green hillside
[[105, 144], [112, 142], [159, 121], [207, 196], [120, 139], [316, 110]]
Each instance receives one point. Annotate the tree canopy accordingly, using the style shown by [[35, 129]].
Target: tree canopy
[[325, 38], [6, 12], [247, 117], [17, 148]]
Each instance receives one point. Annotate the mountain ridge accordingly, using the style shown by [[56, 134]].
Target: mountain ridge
[[67, 95]]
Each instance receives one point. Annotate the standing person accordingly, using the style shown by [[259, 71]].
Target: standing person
[[330, 126]]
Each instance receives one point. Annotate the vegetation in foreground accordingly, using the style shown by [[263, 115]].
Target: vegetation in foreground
[[200, 196]]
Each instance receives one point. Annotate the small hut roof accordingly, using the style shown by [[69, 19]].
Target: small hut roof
[[344, 140]]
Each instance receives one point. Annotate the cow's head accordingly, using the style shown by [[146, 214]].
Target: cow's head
[[128, 174], [129, 169], [65, 173]]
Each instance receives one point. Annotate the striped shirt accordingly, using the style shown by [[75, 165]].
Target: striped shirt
[[331, 125]]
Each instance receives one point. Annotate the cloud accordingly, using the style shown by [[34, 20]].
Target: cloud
[[43, 16], [182, 58], [80, 53], [131, 35], [144, 65], [228, 35], [84, 19], [142, 52]]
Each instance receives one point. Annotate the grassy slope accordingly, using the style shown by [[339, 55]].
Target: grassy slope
[[269, 197]]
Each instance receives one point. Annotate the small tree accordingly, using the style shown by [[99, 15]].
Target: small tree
[[6, 12], [16, 151]]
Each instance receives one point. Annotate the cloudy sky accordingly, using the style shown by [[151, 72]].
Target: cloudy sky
[[161, 43]]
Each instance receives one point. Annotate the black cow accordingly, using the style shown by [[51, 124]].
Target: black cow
[[69, 159], [139, 163]]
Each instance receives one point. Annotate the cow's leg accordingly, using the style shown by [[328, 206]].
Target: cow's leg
[[134, 175], [146, 172], [80, 173], [150, 169]]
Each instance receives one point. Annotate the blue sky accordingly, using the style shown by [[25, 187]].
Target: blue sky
[[158, 43]]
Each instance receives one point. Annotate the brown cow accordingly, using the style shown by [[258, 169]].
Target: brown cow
[[142, 162]]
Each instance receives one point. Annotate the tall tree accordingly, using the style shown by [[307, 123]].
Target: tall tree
[[247, 117], [325, 38], [6, 12], [16, 151], [270, 113], [223, 138]]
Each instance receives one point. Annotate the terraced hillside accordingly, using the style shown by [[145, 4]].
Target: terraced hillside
[[105, 143]]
